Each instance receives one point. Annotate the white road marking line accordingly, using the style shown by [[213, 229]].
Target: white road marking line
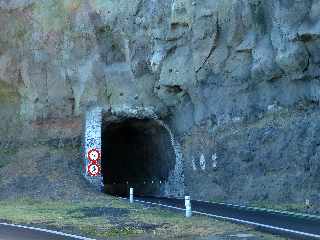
[[47, 231], [260, 225], [236, 220], [304, 215]]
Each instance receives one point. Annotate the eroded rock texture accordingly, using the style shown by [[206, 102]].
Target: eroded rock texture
[[236, 80]]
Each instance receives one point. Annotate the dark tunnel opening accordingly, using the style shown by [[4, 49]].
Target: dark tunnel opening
[[136, 153]]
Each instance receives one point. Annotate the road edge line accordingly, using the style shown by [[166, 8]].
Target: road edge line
[[268, 210], [46, 231], [234, 220]]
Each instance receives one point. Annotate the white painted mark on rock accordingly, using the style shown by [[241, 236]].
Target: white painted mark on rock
[[194, 167], [202, 162], [214, 158]]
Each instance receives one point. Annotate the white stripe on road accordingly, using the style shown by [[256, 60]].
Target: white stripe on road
[[303, 215], [260, 225], [237, 220], [46, 231]]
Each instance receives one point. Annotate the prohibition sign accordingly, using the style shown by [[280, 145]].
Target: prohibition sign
[[93, 169], [94, 155]]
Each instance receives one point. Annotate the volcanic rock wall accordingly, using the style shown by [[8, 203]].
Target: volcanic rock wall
[[237, 82]]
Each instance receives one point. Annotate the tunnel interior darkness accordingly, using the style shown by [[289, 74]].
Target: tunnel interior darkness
[[136, 153]]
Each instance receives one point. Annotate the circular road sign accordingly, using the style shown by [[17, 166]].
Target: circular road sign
[[93, 169], [94, 155]]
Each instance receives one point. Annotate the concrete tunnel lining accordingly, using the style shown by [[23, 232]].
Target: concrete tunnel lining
[[136, 153]]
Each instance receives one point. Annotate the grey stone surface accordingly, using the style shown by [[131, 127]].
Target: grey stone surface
[[235, 81]]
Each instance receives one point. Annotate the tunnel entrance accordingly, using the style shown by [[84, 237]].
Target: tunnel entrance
[[136, 153]]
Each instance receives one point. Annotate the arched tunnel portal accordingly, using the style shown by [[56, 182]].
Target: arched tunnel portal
[[136, 153]]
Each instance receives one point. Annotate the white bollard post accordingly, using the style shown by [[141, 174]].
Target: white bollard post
[[307, 203], [187, 203], [131, 195]]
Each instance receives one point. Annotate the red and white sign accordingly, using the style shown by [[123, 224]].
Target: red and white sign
[[94, 155], [93, 169]]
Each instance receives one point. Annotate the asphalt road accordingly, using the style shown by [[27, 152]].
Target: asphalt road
[[297, 227], [18, 233]]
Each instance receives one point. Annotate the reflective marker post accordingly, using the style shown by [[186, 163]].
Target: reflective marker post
[[187, 203], [131, 195]]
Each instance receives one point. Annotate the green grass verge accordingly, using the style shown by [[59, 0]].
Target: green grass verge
[[107, 217]]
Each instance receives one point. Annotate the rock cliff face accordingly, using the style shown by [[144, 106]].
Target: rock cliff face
[[237, 81]]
